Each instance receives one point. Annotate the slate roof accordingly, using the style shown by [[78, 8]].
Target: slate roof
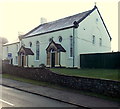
[[58, 24], [28, 51], [64, 23], [58, 46]]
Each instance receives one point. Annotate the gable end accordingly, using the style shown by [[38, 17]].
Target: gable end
[[104, 23], [95, 7]]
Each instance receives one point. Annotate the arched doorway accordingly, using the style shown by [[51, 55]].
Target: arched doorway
[[23, 56], [22, 60], [53, 54], [52, 58]]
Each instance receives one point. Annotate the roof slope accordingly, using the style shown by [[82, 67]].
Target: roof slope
[[64, 23], [27, 51], [11, 43], [58, 24], [58, 46]]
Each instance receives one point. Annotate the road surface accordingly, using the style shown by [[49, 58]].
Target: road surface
[[15, 98]]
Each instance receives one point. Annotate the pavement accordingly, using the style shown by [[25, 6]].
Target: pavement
[[60, 95]]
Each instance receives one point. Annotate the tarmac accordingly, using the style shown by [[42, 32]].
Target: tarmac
[[63, 96]]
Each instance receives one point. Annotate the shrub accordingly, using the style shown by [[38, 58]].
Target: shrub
[[42, 66], [32, 65]]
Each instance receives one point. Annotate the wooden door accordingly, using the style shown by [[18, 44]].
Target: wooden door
[[22, 61], [52, 59]]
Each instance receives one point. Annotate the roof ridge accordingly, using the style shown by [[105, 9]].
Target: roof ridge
[[55, 21], [67, 16], [65, 22]]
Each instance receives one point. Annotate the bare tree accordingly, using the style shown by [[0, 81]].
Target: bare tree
[[3, 40]]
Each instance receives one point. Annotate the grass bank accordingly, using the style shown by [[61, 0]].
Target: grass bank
[[112, 74], [56, 86]]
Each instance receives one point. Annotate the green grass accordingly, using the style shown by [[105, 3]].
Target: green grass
[[56, 86], [112, 74]]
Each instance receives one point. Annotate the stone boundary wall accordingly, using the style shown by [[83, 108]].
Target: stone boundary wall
[[104, 87]]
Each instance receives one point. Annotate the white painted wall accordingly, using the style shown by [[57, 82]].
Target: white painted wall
[[63, 59], [44, 42], [84, 37], [83, 42], [12, 48]]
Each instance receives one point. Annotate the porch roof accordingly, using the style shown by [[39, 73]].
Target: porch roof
[[57, 47], [26, 51]]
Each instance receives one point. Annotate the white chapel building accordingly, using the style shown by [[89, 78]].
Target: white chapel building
[[59, 43]]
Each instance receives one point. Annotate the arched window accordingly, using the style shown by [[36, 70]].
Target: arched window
[[100, 41], [37, 50], [93, 39], [50, 39], [60, 38], [30, 44]]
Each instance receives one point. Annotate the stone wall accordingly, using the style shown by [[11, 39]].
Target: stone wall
[[104, 87]]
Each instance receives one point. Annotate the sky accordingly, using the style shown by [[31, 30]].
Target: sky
[[21, 16]]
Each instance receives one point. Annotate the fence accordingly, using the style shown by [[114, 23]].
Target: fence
[[100, 60], [104, 87]]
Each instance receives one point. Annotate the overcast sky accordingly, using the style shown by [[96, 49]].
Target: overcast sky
[[23, 15]]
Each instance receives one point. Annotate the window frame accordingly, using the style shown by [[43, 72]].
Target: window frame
[[71, 47], [60, 38], [37, 58], [30, 44], [50, 39], [93, 39], [100, 41], [16, 60]]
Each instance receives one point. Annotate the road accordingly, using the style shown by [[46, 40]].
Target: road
[[15, 98]]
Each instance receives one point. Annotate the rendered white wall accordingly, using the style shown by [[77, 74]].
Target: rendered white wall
[[84, 37], [44, 42], [83, 42], [12, 48], [63, 59]]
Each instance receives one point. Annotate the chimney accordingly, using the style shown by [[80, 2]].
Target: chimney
[[43, 20]]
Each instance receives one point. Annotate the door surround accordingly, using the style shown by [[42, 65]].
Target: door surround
[[53, 52]]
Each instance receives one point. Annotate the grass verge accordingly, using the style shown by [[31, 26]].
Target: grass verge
[[56, 86], [111, 74]]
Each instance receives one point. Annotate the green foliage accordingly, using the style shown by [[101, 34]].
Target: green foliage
[[32, 65], [42, 66]]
